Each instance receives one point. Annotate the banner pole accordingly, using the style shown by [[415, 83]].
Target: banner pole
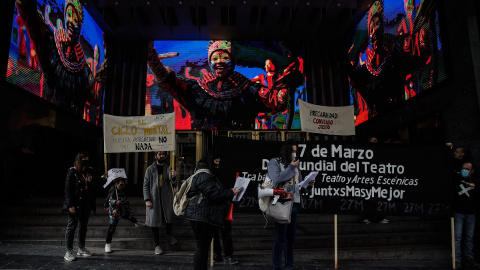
[[105, 161], [335, 237], [211, 254], [452, 221]]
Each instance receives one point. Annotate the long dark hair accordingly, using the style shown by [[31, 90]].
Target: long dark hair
[[78, 160], [286, 151], [209, 157]]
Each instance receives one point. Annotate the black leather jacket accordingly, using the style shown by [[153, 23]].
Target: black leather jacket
[[74, 188], [210, 199]]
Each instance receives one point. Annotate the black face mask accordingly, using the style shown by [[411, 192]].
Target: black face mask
[[85, 163]]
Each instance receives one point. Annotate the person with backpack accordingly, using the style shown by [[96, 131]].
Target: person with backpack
[[285, 174], [118, 207], [158, 196], [206, 208]]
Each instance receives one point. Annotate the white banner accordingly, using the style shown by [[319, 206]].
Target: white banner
[[327, 120], [139, 133]]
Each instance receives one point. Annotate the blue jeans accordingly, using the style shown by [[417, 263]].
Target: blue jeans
[[284, 241], [464, 227]]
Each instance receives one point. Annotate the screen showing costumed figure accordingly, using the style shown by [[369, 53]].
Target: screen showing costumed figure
[[226, 84], [395, 53], [57, 52]]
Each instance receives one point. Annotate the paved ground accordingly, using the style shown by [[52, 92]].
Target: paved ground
[[28, 256]]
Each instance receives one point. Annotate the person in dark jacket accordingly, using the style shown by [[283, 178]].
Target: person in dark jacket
[[79, 202], [118, 207], [464, 208], [206, 208]]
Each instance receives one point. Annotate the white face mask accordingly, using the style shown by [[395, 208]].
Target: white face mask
[[294, 155]]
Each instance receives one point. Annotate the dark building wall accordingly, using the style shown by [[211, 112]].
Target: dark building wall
[[125, 96]]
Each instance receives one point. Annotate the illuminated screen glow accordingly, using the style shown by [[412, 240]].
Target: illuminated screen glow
[[58, 54], [189, 61], [398, 57]]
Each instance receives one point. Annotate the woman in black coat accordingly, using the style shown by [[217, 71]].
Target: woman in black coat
[[206, 209], [79, 202]]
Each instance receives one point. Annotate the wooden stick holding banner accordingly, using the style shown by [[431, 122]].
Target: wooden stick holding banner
[[335, 240], [452, 221], [211, 254]]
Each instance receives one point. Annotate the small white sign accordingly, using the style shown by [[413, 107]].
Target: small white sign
[[114, 174], [327, 120]]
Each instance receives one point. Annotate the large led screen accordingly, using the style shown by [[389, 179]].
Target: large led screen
[[226, 84], [395, 53], [57, 52]]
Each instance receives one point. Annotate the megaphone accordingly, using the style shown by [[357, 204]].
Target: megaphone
[[229, 216], [264, 192], [268, 192]]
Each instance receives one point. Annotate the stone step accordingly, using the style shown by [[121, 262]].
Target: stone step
[[244, 239], [39, 221], [145, 246], [244, 225]]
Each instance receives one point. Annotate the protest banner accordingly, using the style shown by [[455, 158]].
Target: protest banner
[[353, 178], [326, 119], [139, 133]]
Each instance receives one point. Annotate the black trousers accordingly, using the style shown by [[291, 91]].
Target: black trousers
[[156, 232], [226, 233], [203, 234], [80, 220], [113, 226]]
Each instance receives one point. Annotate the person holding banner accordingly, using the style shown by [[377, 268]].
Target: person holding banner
[[284, 172], [79, 202], [464, 208], [158, 196], [207, 207]]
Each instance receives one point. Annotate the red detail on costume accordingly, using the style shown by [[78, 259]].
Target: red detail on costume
[[22, 45]]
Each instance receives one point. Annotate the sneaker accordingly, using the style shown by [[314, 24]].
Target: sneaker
[[230, 260], [140, 224], [217, 258], [108, 248], [84, 252], [69, 256], [366, 221], [171, 239], [158, 250], [384, 221]]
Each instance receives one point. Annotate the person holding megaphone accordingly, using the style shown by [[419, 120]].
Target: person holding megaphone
[[286, 177]]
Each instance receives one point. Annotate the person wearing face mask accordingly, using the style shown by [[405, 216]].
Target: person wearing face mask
[[58, 44], [284, 172], [224, 98], [158, 196], [464, 208], [119, 207], [79, 202], [207, 207]]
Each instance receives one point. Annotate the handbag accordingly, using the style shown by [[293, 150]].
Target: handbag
[[280, 211]]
